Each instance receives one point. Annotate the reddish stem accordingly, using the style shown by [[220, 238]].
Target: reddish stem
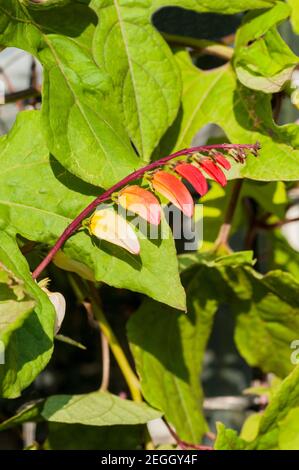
[[133, 176], [280, 223], [183, 444], [223, 235]]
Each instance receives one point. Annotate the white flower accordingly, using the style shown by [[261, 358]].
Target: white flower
[[57, 299], [58, 302]]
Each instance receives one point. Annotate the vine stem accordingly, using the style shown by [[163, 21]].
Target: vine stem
[[224, 231], [278, 224], [88, 295], [74, 225], [213, 48], [14, 96], [119, 355], [123, 363], [183, 444], [105, 362]]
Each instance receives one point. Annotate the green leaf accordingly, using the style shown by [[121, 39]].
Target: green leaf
[[266, 309], [267, 316], [278, 425], [91, 409], [285, 400], [26, 326], [96, 409], [168, 348], [39, 198], [13, 314], [251, 426], [67, 39], [244, 115], [62, 261], [70, 341], [146, 79], [284, 257], [269, 322], [80, 125], [262, 60], [87, 138], [213, 260], [256, 23], [227, 439], [271, 197], [294, 4], [217, 6], [288, 431], [41, 4], [29, 412], [266, 64]]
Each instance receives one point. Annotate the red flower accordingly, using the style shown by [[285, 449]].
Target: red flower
[[174, 190], [213, 171], [222, 161], [192, 174]]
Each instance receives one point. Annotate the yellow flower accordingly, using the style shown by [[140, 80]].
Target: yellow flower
[[107, 225]]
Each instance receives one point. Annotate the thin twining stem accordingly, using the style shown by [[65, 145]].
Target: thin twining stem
[[75, 224], [224, 231], [120, 357], [105, 363], [88, 295]]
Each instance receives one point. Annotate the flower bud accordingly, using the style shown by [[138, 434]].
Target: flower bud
[[173, 189], [107, 225]]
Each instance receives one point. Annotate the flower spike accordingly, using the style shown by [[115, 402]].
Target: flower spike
[[174, 190], [107, 225], [236, 151], [192, 174], [141, 202], [213, 171]]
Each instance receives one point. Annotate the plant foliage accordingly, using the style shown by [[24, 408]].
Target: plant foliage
[[117, 94]]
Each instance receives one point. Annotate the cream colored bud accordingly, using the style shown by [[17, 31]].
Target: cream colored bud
[[58, 302]]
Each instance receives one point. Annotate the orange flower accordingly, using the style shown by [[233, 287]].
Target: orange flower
[[192, 174], [213, 171], [174, 190], [222, 161], [141, 202]]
